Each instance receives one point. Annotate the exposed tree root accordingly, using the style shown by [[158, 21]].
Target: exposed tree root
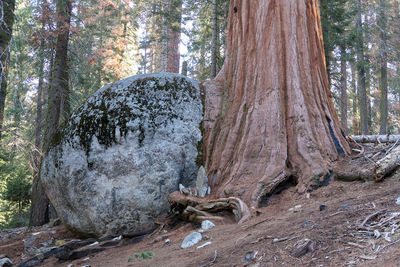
[[198, 209]]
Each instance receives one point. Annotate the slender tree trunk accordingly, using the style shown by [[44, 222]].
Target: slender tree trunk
[[383, 84], [214, 40], [269, 113], [361, 71], [59, 83], [7, 8], [355, 121], [164, 35], [174, 38], [343, 90]]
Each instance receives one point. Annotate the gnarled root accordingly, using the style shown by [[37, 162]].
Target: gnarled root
[[198, 209]]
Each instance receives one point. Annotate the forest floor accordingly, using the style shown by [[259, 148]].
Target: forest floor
[[358, 225]]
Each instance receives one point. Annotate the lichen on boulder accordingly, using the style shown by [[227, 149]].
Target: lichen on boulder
[[111, 167]]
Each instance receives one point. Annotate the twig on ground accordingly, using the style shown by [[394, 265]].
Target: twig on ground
[[334, 214], [390, 244], [255, 224], [371, 216], [355, 245], [212, 260]]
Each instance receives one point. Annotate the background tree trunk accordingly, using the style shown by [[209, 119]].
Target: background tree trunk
[[269, 113], [343, 90], [362, 91], [59, 83], [383, 83], [214, 40], [7, 8], [174, 34]]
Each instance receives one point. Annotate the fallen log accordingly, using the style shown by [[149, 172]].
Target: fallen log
[[348, 170], [375, 138], [387, 164], [197, 209]]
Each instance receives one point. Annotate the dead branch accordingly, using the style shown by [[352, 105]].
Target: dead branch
[[212, 260], [371, 216]]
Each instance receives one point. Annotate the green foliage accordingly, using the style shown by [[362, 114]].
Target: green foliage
[[17, 189], [144, 255]]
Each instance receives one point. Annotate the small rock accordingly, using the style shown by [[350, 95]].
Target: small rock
[[250, 255], [398, 201], [297, 208], [345, 206], [308, 195], [204, 245], [315, 226], [5, 262], [181, 188], [306, 223], [202, 182], [377, 234], [207, 225], [117, 238], [94, 244], [191, 240], [167, 241], [69, 265], [322, 207]]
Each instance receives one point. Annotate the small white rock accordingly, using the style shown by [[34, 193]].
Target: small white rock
[[181, 188], [377, 234], [207, 225], [308, 196], [117, 238], [69, 265], [167, 241], [204, 245], [398, 201], [94, 244], [297, 208], [191, 240]]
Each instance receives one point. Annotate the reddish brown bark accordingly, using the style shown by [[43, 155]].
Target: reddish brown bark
[[269, 114]]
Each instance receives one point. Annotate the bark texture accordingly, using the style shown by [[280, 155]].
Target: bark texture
[[269, 114]]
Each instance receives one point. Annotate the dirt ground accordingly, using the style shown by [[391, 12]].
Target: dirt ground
[[336, 221]]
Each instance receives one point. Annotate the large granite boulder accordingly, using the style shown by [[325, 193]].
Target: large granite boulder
[[111, 167]]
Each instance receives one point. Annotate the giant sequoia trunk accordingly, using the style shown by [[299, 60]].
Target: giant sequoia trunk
[[269, 114]]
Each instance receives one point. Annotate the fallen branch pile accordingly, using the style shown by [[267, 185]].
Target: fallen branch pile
[[378, 231]]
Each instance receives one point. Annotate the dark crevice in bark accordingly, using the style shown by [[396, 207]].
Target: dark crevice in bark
[[338, 147]]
